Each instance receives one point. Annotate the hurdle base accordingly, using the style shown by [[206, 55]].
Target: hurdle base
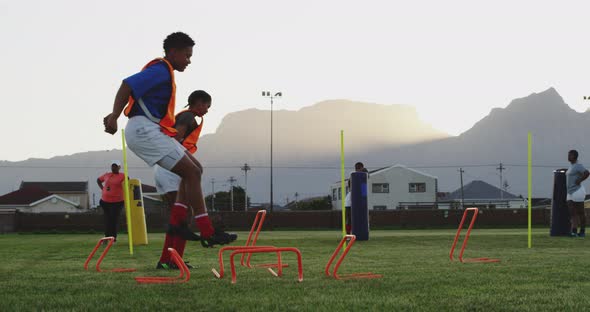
[[183, 277], [154, 280], [270, 265], [122, 270], [480, 260], [368, 275]]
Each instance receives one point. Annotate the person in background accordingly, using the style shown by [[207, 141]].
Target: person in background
[[111, 201], [576, 194], [358, 167]]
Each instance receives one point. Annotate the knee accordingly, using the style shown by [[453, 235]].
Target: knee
[[194, 174]]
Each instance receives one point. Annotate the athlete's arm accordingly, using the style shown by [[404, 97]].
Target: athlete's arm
[[180, 131], [583, 177], [121, 99]]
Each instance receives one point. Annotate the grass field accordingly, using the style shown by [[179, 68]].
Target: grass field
[[45, 272]]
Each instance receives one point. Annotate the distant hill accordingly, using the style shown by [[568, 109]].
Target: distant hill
[[306, 148], [300, 137], [313, 132]]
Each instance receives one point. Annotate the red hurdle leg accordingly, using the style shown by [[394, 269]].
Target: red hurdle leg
[[251, 242], [339, 262], [110, 240], [464, 245]]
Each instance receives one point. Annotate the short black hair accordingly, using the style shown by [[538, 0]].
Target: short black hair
[[199, 95], [178, 40], [359, 165], [575, 153]]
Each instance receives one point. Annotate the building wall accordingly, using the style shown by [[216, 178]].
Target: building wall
[[81, 199], [52, 205], [398, 179]]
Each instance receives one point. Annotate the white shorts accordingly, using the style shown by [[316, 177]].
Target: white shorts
[[149, 143], [577, 196], [347, 200], [166, 180]]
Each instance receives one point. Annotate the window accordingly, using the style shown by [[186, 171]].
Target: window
[[379, 207], [417, 187], [380, 188], [334, 194], [339, 193]]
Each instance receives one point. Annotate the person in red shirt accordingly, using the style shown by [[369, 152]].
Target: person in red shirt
[[112, 200]]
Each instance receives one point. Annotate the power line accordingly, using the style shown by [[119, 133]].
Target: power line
[[303, 167]]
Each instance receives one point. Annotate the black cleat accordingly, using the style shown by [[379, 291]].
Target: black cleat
[[219, 238], [183, 231]]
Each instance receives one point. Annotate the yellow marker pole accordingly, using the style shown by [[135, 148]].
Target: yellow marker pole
[[530, 182], [126, 192], [342, 186]]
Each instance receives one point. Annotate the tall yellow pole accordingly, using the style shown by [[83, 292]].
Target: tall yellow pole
[[126, 192], [342, 186]]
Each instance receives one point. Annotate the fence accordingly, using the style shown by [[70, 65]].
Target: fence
[[83, 222]]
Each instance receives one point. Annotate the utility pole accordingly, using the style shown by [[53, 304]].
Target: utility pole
[[246, 168], [462, 195], [501, 168], [231, 191], [213, 196], [296, 198]]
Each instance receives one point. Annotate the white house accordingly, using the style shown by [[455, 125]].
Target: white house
[[73, 191], [395, 187], [35, 200]]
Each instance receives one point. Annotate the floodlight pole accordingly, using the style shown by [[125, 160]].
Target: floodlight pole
[[272, 97]]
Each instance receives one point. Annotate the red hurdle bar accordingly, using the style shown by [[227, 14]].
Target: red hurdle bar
[[278, 250]]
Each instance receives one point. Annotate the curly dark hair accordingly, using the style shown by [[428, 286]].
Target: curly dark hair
[[199, 95], [178, 40]]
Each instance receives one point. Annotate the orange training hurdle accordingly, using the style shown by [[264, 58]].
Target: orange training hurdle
[[220, 273], [278, 250], [339, 262], [110, 240], [484, 260], [183, 277], [251, 242]]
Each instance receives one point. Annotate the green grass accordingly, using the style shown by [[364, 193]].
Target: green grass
[[44, 272]]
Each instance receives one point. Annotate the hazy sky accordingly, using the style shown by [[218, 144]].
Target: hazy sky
[[62, 61]]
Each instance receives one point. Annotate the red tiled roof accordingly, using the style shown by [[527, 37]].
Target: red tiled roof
[[57, 187], [24, 196]]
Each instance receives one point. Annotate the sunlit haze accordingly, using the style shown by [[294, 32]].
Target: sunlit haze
[[62, 61]]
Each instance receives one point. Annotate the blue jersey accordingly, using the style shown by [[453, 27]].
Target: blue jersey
[[153, 86]]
